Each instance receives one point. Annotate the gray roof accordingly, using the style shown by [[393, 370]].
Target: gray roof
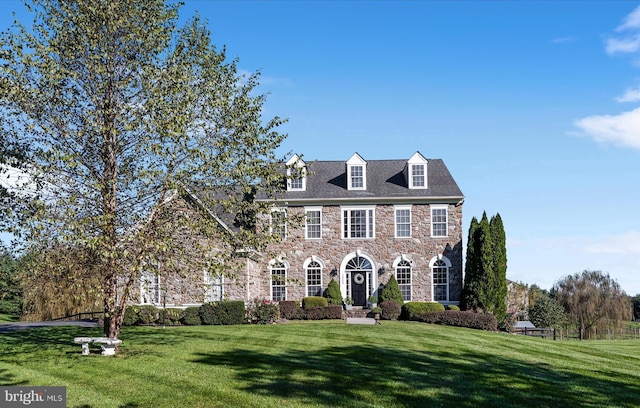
[[386, 181]]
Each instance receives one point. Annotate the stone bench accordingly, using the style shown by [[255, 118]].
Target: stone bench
[[108, 345]]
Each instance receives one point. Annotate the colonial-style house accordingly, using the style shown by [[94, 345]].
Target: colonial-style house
[[363, 221]]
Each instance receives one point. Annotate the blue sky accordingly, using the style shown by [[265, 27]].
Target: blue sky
[[534, 107]]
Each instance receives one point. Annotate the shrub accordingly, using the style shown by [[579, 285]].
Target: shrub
[[326, 312], [413, 310], [315, 301], [547, 312], [191, 316], [130, 316], [453, 307], [332, 293], [391, 292], [172, 316], [222, 313], [147, 314], [265, 311], [390, 310], [481, 321], [289, 309]]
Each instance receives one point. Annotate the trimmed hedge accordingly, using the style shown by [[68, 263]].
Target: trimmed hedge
[[314, 301], [191, 316], [222, 313], [321, 313], [481, 321], [390, 310], [147, 314], [289, 309], [332, 293], [265, 312], [453, 307], [413, 310]]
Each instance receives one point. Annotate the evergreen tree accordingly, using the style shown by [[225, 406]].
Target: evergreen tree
[[470, 289], [332, 293], [486, 276], [499, 252], [391, 292]]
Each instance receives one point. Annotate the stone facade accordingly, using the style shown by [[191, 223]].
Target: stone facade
[[361, 265]]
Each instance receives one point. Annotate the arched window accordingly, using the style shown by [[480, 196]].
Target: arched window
[[313, 270], [278, 281], [403, 276], [440, 274]]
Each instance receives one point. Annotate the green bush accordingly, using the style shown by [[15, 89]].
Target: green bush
[[130, 316], [413, 310], [147, 314], [222, 313], [321, 313], [332, 293], [481, 321], [391, 292], [315, 301], [289, 309], [390, 310], [453, 307], [191, 316], [171, 316], [265, 312]]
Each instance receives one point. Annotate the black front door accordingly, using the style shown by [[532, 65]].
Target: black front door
[[358, 288]]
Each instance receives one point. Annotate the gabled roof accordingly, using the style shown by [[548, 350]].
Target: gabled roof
[[386, 180]]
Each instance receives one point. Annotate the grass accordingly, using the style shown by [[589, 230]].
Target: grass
[[316, 364], [5, 318]]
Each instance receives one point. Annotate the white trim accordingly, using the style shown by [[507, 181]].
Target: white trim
[[370, 220], [306, 230], [447, 263], [417, 160], [444, 207], [356, 161], [372, 283], [296, 161], [272, 266], [396, 264], [305, 267], [395, 220]]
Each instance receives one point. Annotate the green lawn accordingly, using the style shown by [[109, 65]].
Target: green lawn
[[395, 364], [5, 318]]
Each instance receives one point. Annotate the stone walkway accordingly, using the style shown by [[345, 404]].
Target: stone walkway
[[360, 320]]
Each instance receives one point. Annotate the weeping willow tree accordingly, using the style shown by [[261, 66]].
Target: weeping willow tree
[[121, 109]]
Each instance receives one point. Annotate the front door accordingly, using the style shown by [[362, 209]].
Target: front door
[[359, 288]]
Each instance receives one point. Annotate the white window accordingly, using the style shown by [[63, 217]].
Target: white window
[[213, 287], [150, 289], [278, 222], [416, 171], [313, 226], [314, 278], [296, 174], [403, 276], [439, 221], [417, 175], [278, 281], [358, 222], [440, 281], [403, 222], [356, 173]]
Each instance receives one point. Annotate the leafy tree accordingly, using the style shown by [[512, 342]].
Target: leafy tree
[[536, 293], [636, 306], [391, 292], [592, 300], [546, 312], [332, 293], [10, 291], [121, 108]]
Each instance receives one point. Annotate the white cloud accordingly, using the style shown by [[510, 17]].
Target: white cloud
[[631, 21], [622, 129], [561, 40], [622, 244], [630, 95], [629, 45]]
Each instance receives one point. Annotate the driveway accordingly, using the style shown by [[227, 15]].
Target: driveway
[[8, 327]]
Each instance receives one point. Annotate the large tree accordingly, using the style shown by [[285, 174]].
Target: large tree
[[592, 300], [485, 282], [121, 108]]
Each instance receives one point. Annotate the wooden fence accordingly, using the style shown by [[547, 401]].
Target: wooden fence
[[537, 332]]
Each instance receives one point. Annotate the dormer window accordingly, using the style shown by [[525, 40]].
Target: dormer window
[[416, 172], [356, 173], [296, 174]]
